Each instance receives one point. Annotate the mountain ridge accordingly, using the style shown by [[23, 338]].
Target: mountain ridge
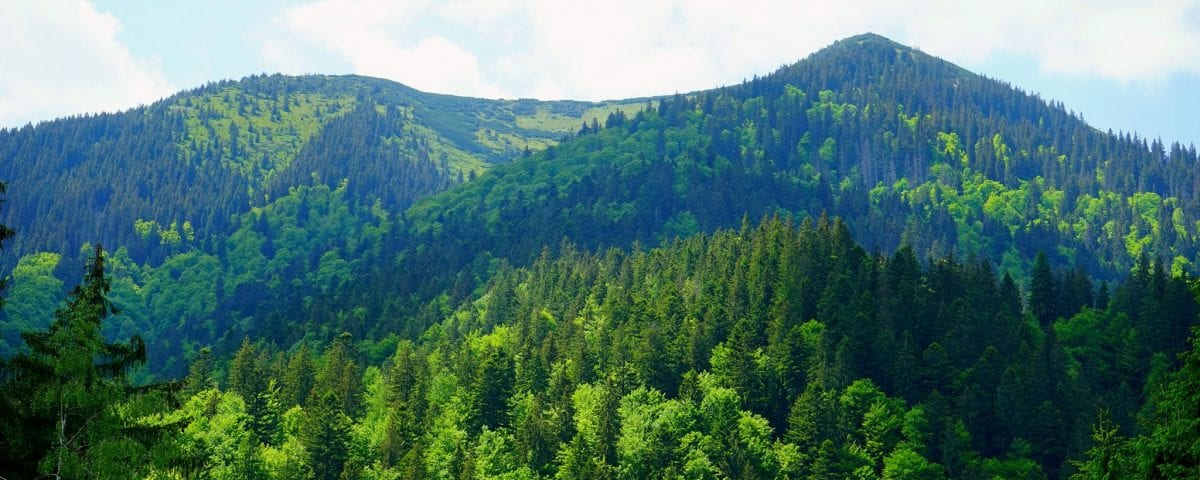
[[867, 264], [1046, 122], [909, 149], [187, 138]]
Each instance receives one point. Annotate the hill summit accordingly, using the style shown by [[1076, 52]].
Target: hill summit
[[423, 194], [871, 263]]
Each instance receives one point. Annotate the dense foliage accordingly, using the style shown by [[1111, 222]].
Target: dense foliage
[[62, 401], [220, 197], [5, 234], [908, 149], [154, 178], [602, 307], [769, 351]]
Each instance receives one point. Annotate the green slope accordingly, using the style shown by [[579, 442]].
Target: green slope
[[204, 155], [178, 178], [907, 148], [510, 266]]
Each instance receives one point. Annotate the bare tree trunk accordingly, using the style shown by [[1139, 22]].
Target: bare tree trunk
[[62, 436]]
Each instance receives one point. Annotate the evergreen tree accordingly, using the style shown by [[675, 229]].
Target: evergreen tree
[[339, 376], [69, 388], [1173, 447], [200, 372], [325, 435], [5, 234], [493, 386], [809, 419], [1109, 458], [1042, 300], [248, 378], [297, 379]]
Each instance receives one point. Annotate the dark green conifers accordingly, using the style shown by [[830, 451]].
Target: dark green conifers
[[762, 351], [5, 234], [63, 397], [768, 351]]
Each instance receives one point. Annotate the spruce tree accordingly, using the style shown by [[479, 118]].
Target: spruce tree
[[493, 386], [298, 378], [325, 435], [68, 388], [339, 376], [1042, 301], [5, 234], [1173, 447], [199, 375], [247, 378]]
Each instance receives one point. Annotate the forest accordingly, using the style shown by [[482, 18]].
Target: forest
[[683, 361], [869, 264]]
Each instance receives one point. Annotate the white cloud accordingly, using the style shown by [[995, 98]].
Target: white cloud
[[622, 48], [369, 36], [1115, 40], [63, 57]]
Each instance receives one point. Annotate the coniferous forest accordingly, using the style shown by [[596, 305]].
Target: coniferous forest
[[870, 264]]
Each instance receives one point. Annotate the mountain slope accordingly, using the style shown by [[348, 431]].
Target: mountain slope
[[204, 155], [187, 188], [516, 323], [908, 149]]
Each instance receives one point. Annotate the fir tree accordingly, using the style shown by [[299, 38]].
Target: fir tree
[[1042, 301], [325, 434], [69, 387]]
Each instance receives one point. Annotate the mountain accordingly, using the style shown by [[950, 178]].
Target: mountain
[[135, 178], [272, 187], [870, 263], [906, 148], [256, 186], [177, 179]]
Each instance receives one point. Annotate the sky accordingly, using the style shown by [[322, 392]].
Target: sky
[[1123, 65]]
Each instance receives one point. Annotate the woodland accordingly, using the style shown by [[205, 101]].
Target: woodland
[[870, 264]]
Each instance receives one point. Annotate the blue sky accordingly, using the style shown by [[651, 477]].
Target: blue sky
[[1125, 66]]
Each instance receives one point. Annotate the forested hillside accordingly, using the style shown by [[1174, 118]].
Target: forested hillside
[[156, 177], [907, 148], [869, 264], [174, 186], [773, 351]]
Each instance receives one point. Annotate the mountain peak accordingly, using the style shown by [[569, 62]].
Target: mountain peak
[[872, 42], [870, 37], [872, 59]]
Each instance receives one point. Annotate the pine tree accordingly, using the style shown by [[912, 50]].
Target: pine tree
[[199, 375], [5, 234], [70, 384], [325, 434], [1042, 300], [1173, 447]]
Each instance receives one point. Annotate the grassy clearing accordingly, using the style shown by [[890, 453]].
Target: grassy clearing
[[546, 121], [509, 144], [269, 130]]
